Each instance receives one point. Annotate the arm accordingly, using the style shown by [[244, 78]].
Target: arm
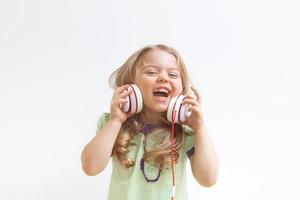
[[204, 162], [96, 154]]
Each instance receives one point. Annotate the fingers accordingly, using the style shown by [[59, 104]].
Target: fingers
[[193, 100], [190, 101], [193, 109], [121, 94], [193, 105], [126, 92], [121, 89], [197, 93], [122, 100]]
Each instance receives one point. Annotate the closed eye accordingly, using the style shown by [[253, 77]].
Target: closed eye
[[174, 75], [151, 72]]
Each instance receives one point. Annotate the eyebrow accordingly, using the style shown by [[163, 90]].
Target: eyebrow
[[155, 66]]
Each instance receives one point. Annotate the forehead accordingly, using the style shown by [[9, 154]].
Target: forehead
[[160, 58]]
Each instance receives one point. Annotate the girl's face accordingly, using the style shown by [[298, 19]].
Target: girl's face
[[159, 79]]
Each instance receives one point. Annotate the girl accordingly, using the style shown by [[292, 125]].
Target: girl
[[140, 144]]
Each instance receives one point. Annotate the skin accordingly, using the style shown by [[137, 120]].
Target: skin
[[158, 68], [204, 161]]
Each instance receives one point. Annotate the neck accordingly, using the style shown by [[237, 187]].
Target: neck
[[149, 117]]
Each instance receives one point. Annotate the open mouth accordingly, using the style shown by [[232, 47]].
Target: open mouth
[[161, 93]]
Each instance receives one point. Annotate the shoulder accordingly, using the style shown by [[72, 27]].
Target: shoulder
[[187, 130], [102, 120]]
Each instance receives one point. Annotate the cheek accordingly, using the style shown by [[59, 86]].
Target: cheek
[[139, 81], [146, 81], [178, 88], [145, 85]]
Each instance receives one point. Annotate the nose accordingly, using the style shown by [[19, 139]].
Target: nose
[[162, 77]]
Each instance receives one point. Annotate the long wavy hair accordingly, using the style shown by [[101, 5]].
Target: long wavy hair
[[160, 153]]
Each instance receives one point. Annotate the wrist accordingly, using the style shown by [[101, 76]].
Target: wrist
[[115, 120], [200, 126]]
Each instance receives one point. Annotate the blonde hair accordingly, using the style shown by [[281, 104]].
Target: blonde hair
[[160, 153]]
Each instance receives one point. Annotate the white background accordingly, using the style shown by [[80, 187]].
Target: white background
[[56, 58]]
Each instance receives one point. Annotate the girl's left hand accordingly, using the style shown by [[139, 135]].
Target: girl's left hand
[[195, 121]]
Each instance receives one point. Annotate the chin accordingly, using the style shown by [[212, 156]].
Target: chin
[[160, 109]]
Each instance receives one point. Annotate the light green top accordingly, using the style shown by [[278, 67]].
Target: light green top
[[130, 184]]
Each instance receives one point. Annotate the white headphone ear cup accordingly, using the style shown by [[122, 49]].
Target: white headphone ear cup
[[181, 111], [135, 100], [184, 113], [171, 108]]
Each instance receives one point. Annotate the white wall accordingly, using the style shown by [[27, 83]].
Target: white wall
[[56, 57]]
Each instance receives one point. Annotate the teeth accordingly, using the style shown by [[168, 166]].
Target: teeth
[[162, 90]]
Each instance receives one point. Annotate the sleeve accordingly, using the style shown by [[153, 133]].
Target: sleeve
[[101, 121], [188, 146]]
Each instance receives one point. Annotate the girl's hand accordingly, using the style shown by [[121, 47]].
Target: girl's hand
[[195, 121], [119, 97]]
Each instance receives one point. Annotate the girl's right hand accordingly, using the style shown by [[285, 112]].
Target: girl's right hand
[[119, 97]]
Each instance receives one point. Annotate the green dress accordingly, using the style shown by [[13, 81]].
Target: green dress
[[130, 183]]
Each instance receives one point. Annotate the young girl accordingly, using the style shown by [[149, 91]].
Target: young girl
[[146, 165]]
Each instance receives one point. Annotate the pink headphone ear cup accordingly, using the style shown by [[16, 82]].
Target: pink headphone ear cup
[[181, 111], [135, 100]]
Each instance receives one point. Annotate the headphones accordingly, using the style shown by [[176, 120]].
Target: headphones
[[134, 105]]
